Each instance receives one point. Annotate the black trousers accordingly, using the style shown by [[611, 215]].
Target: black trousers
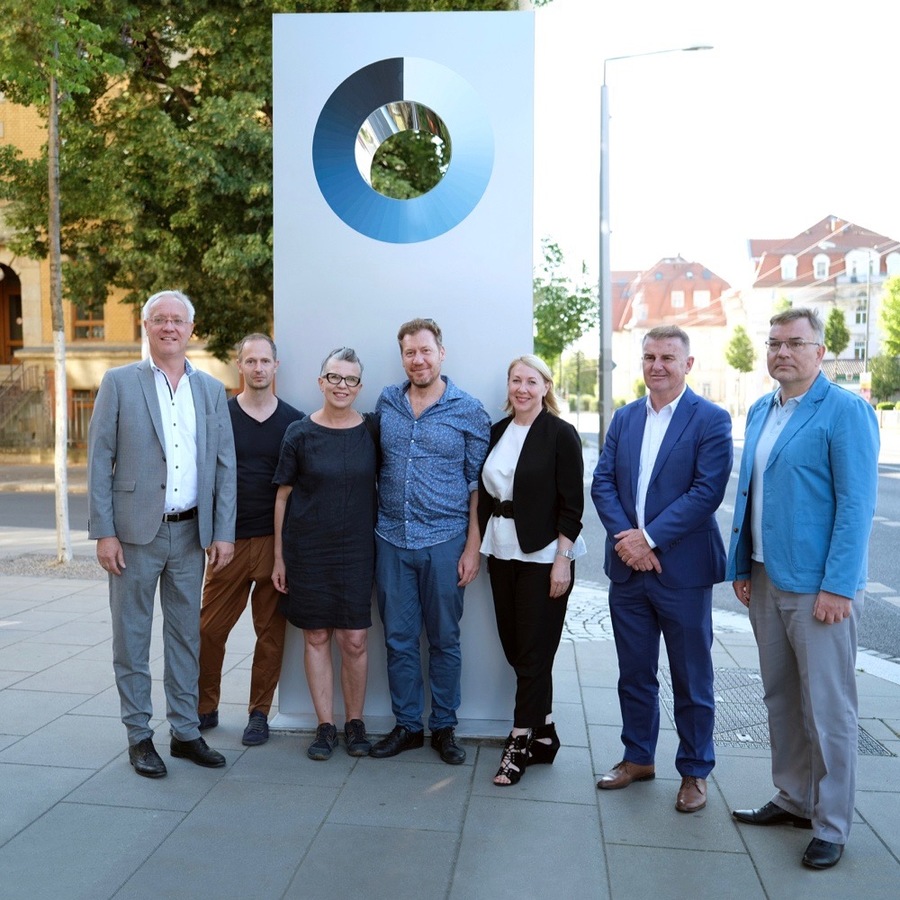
[[530, 623]]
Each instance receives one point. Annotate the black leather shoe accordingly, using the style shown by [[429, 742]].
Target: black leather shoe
[[822, 854], [397, 741], [444, 741], [770, 814], [146, 760], [208, 720], [197, 751]]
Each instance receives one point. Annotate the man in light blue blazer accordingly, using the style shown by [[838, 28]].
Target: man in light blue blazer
[[660, 479], [161, 484], [798, 559]]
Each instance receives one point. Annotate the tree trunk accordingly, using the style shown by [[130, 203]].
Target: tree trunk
[[63, 537]]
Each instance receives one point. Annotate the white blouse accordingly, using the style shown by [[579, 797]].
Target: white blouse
[[500, 538]]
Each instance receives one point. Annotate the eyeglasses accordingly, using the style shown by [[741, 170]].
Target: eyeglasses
[[159, 321], [793, 345], [350, 380]]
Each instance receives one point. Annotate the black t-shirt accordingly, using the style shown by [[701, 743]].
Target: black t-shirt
[[257, 446]]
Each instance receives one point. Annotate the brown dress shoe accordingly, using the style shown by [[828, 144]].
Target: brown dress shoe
[[691, 794], [623, 773]]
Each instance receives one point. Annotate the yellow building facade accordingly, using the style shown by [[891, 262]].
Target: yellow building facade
[[94, 342]]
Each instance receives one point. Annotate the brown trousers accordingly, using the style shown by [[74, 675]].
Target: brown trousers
[[225, 596]]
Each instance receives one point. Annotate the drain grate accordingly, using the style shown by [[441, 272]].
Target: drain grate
[[741, 717]]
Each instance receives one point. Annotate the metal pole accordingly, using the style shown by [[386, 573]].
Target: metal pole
[[604, 293], [604, 287]]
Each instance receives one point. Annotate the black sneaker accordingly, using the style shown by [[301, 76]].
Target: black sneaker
[[355, 736], [257, 730], [326, 740]]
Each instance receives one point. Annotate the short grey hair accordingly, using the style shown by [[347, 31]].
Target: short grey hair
[[175, 295], [666, 332], [795, 313], [342, 354]]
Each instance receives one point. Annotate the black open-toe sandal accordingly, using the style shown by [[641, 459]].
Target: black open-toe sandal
[[514, 759], [539, 752]]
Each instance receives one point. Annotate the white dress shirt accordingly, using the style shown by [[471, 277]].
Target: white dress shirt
[[179, 421]]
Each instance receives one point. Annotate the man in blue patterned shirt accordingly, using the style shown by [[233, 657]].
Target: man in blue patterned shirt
[[434, 439]]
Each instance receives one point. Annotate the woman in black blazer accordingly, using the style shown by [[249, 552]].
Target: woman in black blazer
[[530, 501]]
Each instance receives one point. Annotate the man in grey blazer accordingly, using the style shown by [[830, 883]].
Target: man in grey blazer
[[161, 483]]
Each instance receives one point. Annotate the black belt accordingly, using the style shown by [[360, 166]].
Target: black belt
[[503, 508], [181, 516]]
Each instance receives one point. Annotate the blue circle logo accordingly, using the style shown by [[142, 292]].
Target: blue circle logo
[[337, 140]]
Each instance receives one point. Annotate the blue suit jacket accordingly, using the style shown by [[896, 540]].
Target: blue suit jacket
[[819, 493], [686, 487]]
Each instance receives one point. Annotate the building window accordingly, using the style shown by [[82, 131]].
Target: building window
[[87, 325], [677, 299], [701, 299], [859, 349], [788, 267], [820, 266], [861, 315]]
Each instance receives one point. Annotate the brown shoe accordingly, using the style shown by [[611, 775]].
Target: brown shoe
[[691, 794], [623, 773]]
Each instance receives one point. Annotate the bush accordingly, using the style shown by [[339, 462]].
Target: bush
[[885, 405]]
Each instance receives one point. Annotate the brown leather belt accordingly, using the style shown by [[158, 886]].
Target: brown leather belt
[[181, 516], [503, 508]]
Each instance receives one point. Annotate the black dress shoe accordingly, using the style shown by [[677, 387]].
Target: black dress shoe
[[397, 741], [146, 760], [822, 854], [770, 814], [197, 751], [444, 741]]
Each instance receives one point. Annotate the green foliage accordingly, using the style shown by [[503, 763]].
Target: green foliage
[[781, 304], [890, 317], [885, 376], [409, 164], [640, 388], [886, 406], [739, 354], [563, 311], [579, 375], [166, 162], [837, 335]]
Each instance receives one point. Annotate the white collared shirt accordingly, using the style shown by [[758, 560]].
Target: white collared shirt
[[179, 421], [777, 418], [654, 431]]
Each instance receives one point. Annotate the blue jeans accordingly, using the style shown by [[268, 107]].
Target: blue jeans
[[416, 588]]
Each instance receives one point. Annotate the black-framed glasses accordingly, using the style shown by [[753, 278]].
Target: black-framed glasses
[[350, 380], [793, 344]]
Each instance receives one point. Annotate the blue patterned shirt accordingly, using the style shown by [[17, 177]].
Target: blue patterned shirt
[[430, 465]]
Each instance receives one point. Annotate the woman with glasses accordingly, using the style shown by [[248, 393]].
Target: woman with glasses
[[325, 545], [530, 502]]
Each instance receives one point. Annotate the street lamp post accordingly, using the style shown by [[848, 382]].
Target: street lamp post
[[604, 291]]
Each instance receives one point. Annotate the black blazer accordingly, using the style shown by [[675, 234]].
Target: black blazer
[[548, 485]]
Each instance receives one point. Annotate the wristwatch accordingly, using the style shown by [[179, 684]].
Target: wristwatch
[[568, 554]]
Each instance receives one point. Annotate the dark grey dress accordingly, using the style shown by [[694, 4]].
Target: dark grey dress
[[329, 531]]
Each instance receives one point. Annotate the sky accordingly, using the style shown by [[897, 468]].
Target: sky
[[791, 117]]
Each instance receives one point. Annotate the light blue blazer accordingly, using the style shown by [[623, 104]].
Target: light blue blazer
[[819, 494]]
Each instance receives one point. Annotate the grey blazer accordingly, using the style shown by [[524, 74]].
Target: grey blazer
[[127, 459]]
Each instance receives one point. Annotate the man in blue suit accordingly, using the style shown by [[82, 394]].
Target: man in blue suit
[[660, 479], [798, 558]]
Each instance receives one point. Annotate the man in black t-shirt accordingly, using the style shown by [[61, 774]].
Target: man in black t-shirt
[[259, 420]]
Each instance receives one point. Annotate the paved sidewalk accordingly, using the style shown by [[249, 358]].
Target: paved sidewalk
[[76, 822]]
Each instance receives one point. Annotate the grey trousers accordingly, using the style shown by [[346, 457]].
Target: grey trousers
[[175, 561], [808, 672]]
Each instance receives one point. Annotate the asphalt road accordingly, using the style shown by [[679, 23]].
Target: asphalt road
[[879, 628]]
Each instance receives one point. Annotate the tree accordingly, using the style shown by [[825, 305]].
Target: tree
[[166, 178], [49, 54], [890, 317], [837, 335], [563, 312], [739, 354], [885, 377]]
